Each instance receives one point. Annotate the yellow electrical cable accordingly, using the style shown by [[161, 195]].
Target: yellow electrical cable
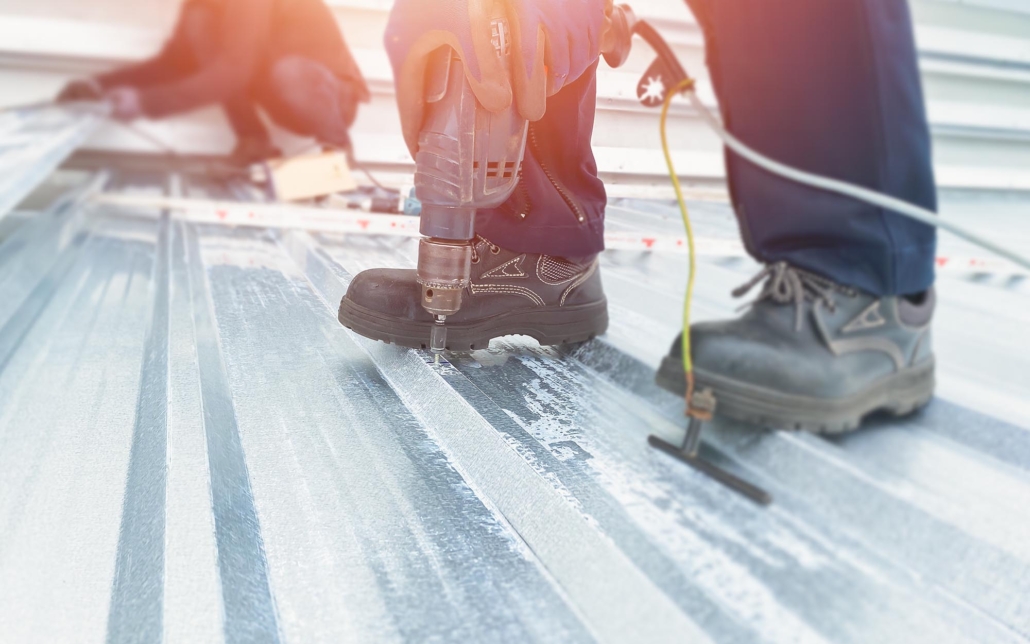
[[688, 363]]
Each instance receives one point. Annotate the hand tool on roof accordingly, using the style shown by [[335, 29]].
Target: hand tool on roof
[[469, 157], [664, 78]]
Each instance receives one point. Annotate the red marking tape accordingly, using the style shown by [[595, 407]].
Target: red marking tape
[[362, 223]]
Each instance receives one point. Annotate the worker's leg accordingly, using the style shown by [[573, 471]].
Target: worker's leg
[[307, 98], [833, 88], [201, 27], [558, 208], [244, 120]]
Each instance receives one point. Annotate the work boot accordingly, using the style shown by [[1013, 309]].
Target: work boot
[[554, 300], [811, 354]]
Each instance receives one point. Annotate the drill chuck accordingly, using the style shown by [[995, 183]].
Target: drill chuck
[[444, 270]]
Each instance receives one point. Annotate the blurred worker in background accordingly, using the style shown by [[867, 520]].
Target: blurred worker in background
[[286, 56]]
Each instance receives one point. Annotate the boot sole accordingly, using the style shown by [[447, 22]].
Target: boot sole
[[548, 325], [899, 395]]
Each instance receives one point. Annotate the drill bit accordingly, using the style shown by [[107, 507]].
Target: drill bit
[[438, 338]]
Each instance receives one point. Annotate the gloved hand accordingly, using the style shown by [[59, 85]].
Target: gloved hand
[[125, 103], [553, 43], [556, 41], [83, 89]]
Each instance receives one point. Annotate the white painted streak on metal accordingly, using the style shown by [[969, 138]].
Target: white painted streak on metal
[[617, 601]]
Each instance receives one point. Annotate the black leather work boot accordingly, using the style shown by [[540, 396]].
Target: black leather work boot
[[551, 299], [811, 354]]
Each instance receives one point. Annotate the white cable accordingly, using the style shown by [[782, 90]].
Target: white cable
[[850, 190]]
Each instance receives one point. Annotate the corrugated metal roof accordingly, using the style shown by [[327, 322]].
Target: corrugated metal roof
[[192, 446]]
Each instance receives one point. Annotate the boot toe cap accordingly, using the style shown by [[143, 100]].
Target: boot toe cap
[[762, 360], [393, 292]]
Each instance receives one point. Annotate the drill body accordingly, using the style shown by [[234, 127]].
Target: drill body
[[468, 158]]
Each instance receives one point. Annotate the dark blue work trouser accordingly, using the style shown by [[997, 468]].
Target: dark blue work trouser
[[558, 206], [831, 87]]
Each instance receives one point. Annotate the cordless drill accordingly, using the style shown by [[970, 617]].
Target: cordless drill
[[469, 159]]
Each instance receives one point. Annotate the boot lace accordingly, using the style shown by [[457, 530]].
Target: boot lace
[[494, 248], [785, 284]]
